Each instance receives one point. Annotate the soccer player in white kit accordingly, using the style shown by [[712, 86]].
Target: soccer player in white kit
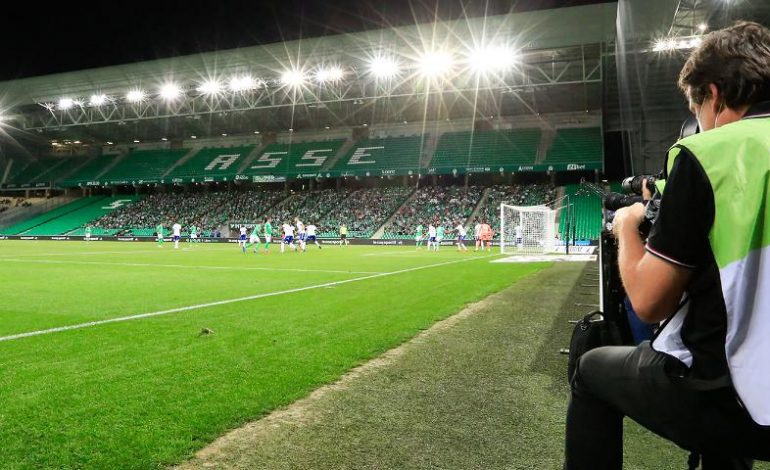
[[288, 238], [431, 235], [311, 236], [477, 236], [461, 233], [300, 233], [177, 234], [242, 239]]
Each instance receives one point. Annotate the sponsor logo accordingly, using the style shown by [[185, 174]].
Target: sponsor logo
[[526, 168], [388, 172], [309, 175], [27, 238], [177, 180], [60, 238], [41, 185], [268, 179], [26, 185], [208, 179], [387, 242], [127, 239], [478, 169], [241, 178], [575, 166]]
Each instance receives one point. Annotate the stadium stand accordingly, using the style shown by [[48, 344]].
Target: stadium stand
[[516, 195], [364, 211], [89, 171], [576, 145], [381, 156], [28, 224], [143, 165], [310, 206], [486, 149], [295, 158], [36, 171], [80, 216], [216, 162], [204, 210], [588, 214], [447, 206]]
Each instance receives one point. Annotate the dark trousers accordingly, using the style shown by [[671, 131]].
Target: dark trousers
[[617, 381]]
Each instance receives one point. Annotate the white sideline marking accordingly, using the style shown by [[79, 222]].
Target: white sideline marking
[[225, 302], [539, 258], [184, 266]]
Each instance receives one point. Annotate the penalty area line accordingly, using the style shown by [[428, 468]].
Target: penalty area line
[[81, 326]]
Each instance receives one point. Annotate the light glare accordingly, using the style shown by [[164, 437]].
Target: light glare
[[383, 67], [170, 91], [210, 87], [435, 64], [97, 100], [489, 59], [242, 83], [135, 96], [293, 78], [329, 74], [66, 103]]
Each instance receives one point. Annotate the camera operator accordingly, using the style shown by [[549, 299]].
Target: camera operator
[[704, 380]]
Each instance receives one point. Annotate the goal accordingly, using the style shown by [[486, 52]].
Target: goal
[[527, 229]]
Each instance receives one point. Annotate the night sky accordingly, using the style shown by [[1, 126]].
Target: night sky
[[41, 38]]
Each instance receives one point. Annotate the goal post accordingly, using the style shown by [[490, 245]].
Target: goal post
[[527, 229]]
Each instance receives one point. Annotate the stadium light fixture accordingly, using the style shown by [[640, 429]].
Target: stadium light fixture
[[672, 44], [109, 143], [703, 27], [97, 100], [66, 103], [136, 96], [329, 74], [170, 91], [193, 136], [136, 141], [164, 139], [383, 67], [490, 59], [434, 64], [211, 87], [242, 83], [293, 78]]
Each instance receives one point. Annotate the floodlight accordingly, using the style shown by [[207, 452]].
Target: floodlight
[[97, 100], [293, 78], [702, 27], [135, 96], [211, 87], [170, 91], [242, 83], [66, 103], [383, 67], [434, 64], [136, 141], [164, 139], [489, 59], [329, 74]]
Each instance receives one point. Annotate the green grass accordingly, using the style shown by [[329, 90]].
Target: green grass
[[149, 392]]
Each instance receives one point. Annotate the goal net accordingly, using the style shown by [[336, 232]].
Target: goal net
[[527, 229]]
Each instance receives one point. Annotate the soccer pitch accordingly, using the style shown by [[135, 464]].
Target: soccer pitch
[[102, 360]]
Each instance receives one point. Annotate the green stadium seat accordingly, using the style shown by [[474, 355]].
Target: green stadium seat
[[294, 159], [587, 215], [143, 165], [89, 171], [500, 148], [389, 155], [28, 224], [217, 162], [72, 220], [576, 145]]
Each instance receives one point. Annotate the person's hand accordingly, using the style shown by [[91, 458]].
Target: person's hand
[[646, 192], [628, 216]]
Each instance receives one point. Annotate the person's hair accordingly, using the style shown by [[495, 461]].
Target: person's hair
[[736, 60]]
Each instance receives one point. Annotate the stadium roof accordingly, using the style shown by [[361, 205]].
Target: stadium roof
[[531, 30]]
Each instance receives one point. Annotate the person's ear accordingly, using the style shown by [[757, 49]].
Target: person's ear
[[717, 98]]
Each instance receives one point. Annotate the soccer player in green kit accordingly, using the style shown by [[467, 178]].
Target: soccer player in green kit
[[418, 237], [159, 231], [193, 235], [268, 234]]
